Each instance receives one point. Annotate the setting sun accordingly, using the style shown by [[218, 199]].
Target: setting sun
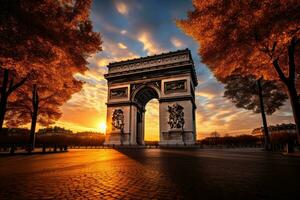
[[102, 127]]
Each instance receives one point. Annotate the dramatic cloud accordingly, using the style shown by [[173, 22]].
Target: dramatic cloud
[[132, 29], [121, 8], [122, 46], [177, 42], [150, 46]]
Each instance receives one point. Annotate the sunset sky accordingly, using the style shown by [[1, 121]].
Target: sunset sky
[[131, 29]]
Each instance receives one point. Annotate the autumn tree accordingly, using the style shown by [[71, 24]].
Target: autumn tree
[[9, 83], [40, 99], [259, 37], [260, 96], [36, 35]]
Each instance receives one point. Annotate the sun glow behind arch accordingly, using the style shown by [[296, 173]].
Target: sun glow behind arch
[[102, 127]]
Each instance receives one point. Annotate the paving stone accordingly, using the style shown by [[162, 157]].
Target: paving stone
[[150, 174]]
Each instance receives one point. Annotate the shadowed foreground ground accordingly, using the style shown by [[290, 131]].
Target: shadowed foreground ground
[[151, 174]]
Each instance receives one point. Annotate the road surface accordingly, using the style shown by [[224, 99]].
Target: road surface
[[151, 174]]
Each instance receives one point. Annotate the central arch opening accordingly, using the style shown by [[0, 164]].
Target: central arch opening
[[146, 99]]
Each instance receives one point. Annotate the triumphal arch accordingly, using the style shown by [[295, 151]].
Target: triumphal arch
[[168, 77]]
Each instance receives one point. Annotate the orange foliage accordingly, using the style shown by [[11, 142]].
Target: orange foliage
[[53, 90], [46, 41], [250, 37], [244, 36], [35, 34]]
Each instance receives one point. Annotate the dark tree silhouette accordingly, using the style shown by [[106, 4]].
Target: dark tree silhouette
[[9, 83], [38, 35], [254, 37], [260, 96], [214, 134], [40, 99]]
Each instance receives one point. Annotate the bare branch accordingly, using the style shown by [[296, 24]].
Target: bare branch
[[294, 31], [274, 47], [279, 71], [14, 87], [266, 49]]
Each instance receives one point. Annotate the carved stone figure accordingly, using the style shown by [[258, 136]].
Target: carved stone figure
[[176, 116], [118, 119]]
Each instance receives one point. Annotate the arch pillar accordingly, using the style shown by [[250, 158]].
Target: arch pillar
[[185, 135]]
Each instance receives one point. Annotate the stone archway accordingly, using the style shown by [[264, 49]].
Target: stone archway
[[171, 79], [141, 97]]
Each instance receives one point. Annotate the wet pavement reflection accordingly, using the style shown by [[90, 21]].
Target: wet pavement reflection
[[151, 174]]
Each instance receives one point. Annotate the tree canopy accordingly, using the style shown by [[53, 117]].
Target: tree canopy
[[243, 92], [244, 36], [50, 96], [36, 34], [47, 41], [250, 37]]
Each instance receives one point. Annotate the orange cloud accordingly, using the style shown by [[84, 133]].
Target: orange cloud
[[121, 7], [207, 95], [149, 44], [122, 46], [102, 62], [177, 42]]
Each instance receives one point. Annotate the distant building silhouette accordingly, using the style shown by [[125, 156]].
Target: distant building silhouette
[[279, 128]]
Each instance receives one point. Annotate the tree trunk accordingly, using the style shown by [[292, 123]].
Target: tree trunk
[[263, 116], [3, 100], [7, 88], [35, 106], [294, 99], [290, 83]]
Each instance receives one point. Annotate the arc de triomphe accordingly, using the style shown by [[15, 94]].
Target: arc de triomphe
[[168, 77]]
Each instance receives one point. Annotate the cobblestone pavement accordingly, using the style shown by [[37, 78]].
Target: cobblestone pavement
[[151, 174]]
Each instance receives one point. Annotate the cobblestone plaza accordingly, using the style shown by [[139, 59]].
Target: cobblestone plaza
[[150, 174]]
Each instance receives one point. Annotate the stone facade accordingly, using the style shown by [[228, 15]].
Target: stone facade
[[168, 77]]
